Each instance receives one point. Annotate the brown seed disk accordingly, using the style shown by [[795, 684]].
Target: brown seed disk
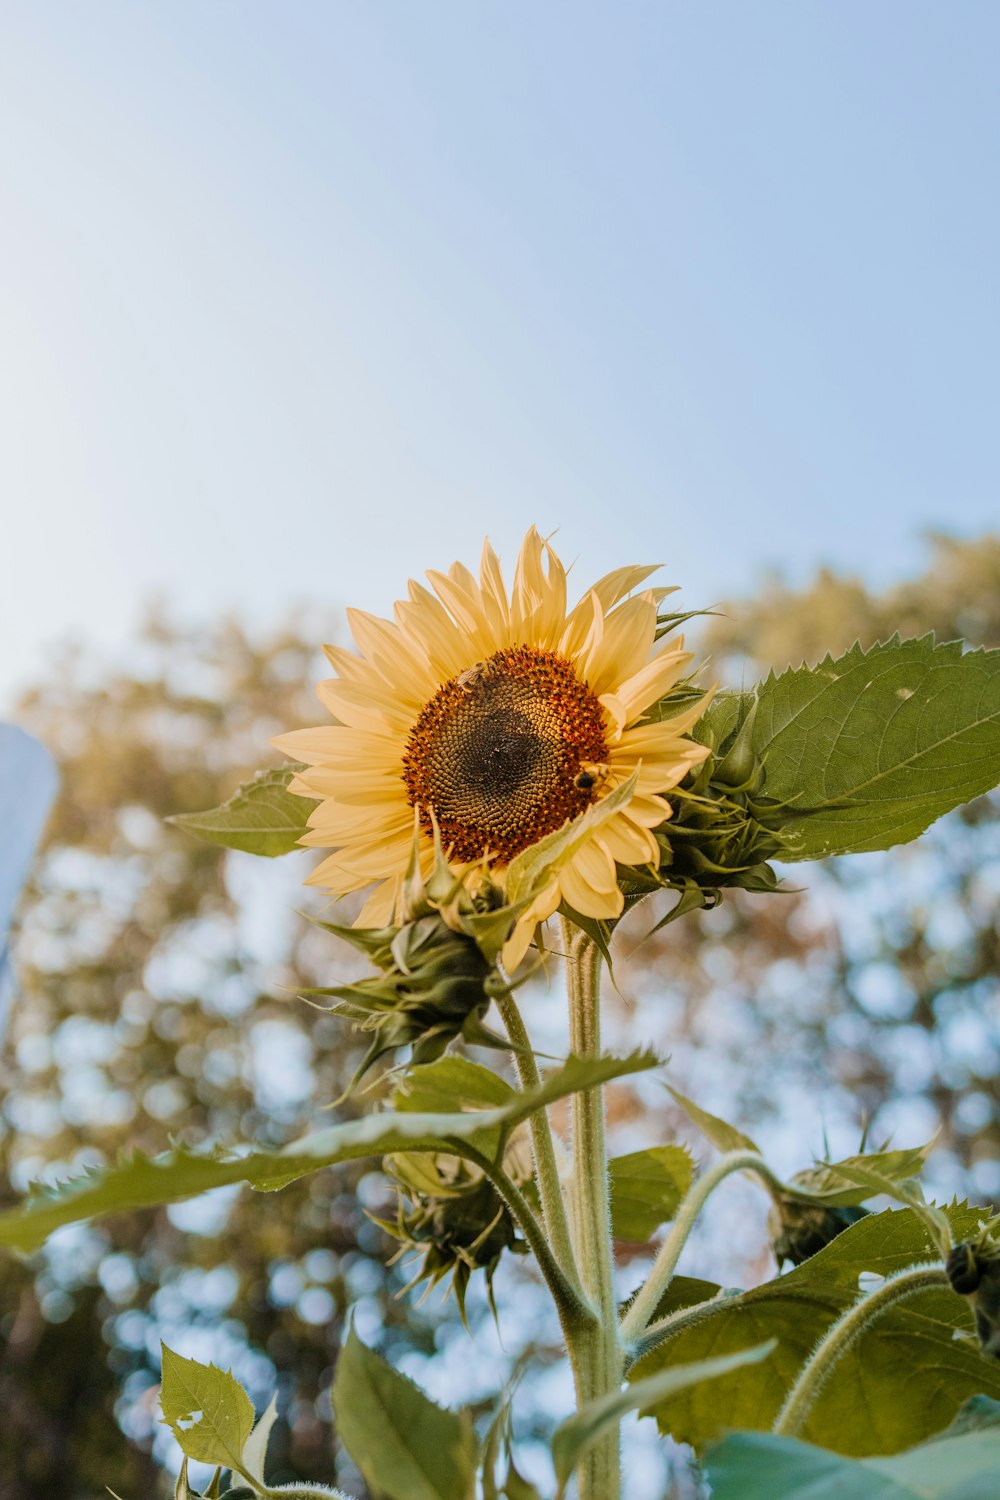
[[496, 752]]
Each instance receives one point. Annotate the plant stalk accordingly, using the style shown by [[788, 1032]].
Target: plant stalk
[[550, 1189], [595, 1350], [846, 1330]]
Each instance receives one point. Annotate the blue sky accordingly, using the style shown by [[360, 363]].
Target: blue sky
[[296, 300]]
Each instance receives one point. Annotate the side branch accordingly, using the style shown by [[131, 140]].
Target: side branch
[[685, 1317], [847, 1329], [642, 1309], [568, 1297]]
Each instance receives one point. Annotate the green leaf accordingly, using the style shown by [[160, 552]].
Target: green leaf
[[686, 1291], [646, 1189], [842, 1184], [208, 1411], [574, 1076], [406, 1446], [261, 817], [143, 1182], [867, 751], [140, 1181], [497, 1446], [912, 1369], [451, 1083], [724, 1137], [255, 1447], [572, 1439], [760, 1466]]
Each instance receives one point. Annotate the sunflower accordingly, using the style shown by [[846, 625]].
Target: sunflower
[[498, 719]]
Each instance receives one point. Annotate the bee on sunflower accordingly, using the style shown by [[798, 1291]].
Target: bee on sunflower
[[497, 719]]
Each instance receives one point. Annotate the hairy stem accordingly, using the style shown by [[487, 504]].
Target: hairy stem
[[684, 1317], [294, 1491], [643, 1308], [542, 1144], [838, 1340], [595, 1351]]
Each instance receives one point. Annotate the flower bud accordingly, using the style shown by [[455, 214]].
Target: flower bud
[[453, 1217], [438, 971], [798, 1230], [973, 1269]]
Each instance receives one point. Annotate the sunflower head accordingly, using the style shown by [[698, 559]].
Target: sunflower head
[[499, 719]]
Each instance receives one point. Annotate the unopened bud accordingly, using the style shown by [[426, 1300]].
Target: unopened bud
[[799, 1230], [973, 1269]]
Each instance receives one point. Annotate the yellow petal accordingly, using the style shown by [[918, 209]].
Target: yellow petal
[[627, 843], [447, 646], [380, 908], [621, 581], [494, 594], [582, 896], [349, 666], [308, 745], [623, 647], [403, 667], [541, 908], [594, 865], [651, 681], [330, 875], [364, 707]]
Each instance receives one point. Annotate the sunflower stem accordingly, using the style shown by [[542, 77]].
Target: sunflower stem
[[550, 1188], [595, 1351]]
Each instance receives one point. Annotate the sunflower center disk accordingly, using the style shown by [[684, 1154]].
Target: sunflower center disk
[[497, 751]]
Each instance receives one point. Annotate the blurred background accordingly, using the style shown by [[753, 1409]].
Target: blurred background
[[297, 301]]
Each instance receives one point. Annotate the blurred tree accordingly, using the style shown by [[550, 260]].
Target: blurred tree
[[153, 1007], [150, 1011], [870, 992]]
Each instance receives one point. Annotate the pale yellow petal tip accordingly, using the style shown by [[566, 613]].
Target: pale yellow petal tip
[[517, 945]]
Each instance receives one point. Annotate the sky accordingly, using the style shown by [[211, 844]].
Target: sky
[[298, 300]]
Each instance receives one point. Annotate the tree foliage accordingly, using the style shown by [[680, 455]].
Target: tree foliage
[[152, 1016], [156, 1011]]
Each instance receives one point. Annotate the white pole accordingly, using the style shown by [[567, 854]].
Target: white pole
[[28, 782]]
